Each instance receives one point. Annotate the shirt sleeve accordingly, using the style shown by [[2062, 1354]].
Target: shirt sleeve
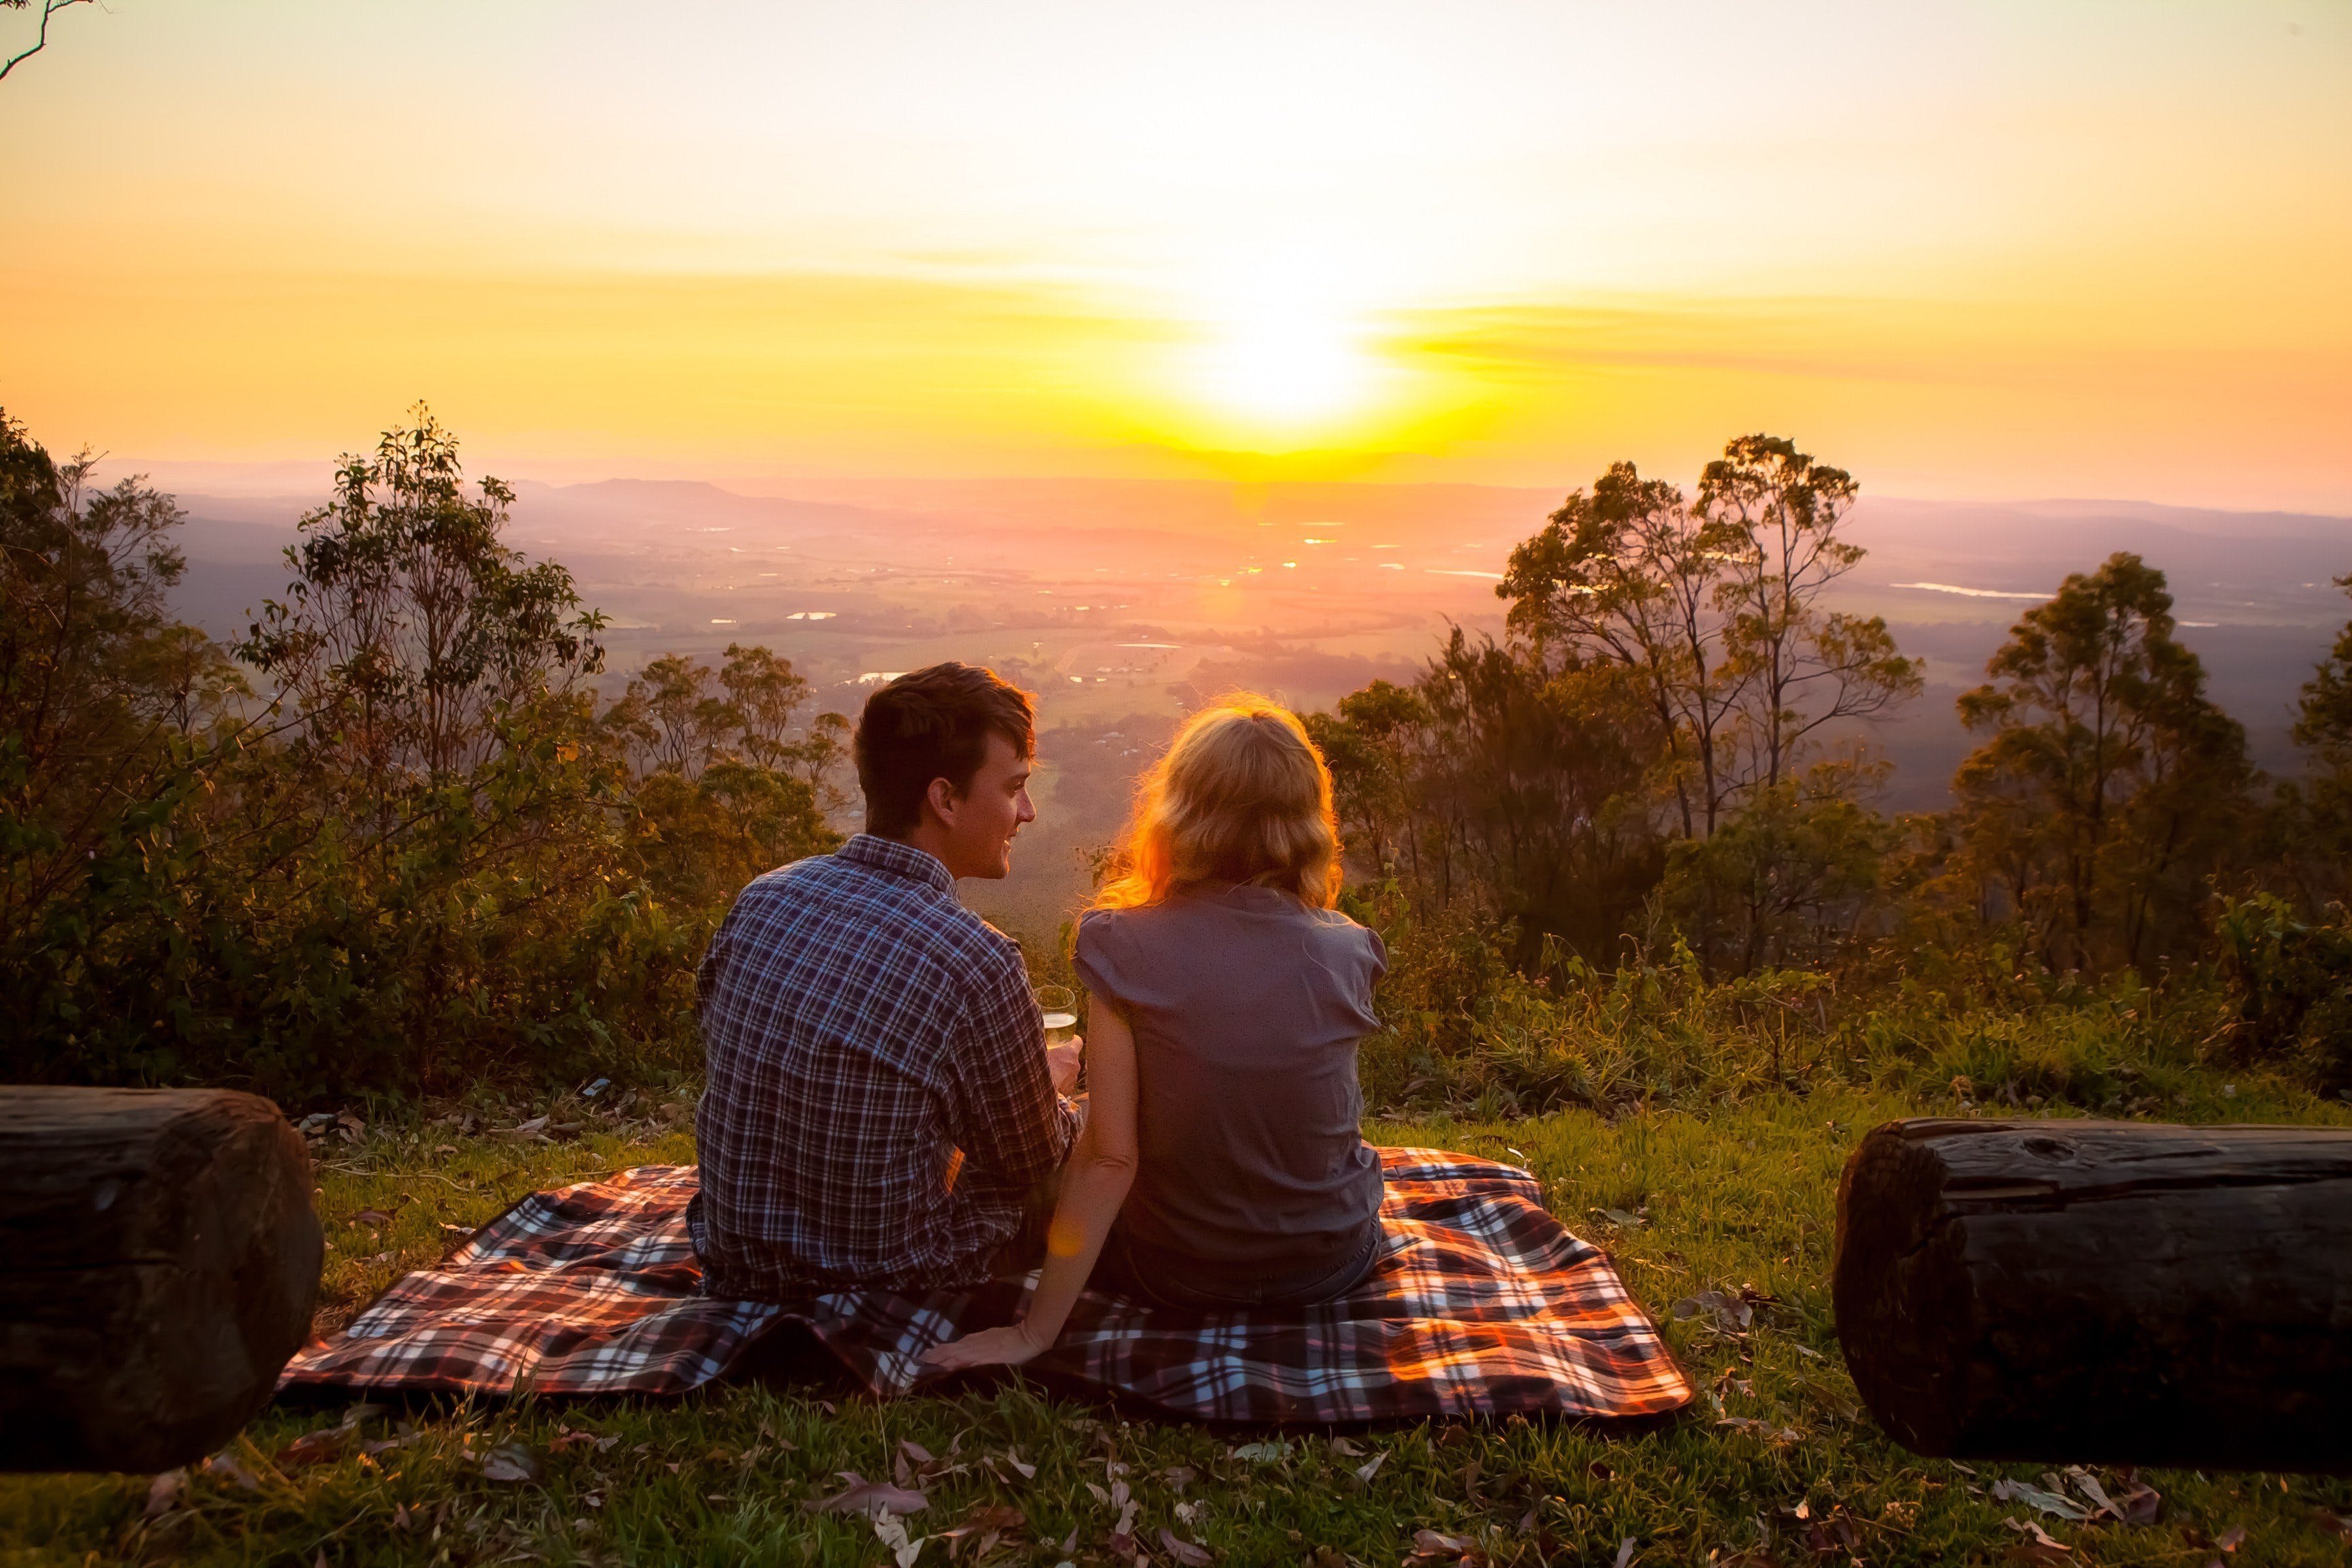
[[1093, 958], [1009, 1120]]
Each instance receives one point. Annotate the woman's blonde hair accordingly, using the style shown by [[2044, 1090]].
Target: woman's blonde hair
[[1242, 796]]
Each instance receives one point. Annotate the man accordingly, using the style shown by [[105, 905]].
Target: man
[[880, 1109]]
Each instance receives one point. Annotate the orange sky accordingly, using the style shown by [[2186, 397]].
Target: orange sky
[[1985, 251]]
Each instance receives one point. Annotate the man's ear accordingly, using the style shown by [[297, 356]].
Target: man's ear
[[943, 798]]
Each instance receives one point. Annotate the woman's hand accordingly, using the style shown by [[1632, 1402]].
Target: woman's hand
[[990, 1347], [1063, 1062]]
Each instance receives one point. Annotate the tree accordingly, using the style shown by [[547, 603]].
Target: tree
[[764, 692], [1631, 575], [1368, 745], [112, 720], [1495, 783], [1714, 609], [2323, 723], [437, 881], [410, 628], [2108, 788], [699, 840], [2310, 822], [1800, 669], [670, 719], [1793, 880], [673, 718]]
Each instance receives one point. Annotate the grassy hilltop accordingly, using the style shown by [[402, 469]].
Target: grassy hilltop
[[1776, 1462]]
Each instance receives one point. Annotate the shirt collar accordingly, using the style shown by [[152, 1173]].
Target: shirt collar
[[879, 854]]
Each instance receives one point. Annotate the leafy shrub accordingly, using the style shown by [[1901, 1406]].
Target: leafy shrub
[[2290, 981]]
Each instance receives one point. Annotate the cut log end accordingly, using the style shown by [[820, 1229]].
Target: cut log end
[[163, 1261]]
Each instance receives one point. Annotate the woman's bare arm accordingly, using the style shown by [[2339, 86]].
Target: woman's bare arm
[[1094, 1186]]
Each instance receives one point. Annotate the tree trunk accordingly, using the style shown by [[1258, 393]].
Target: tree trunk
[[2101, 1292], [161, 1259]]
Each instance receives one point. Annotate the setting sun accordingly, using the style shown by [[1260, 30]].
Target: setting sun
[[1284, 373]]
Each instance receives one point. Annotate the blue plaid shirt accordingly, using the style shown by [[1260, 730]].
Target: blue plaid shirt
[[860, 1025]]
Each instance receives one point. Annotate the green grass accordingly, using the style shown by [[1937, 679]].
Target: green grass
[[1739, 1195]]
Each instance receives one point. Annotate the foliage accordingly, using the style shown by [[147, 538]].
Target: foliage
[[678, 715], [1714, 609], [2309, 827], [1495, 782], [408, 865], [410, 631], [111, 717], [699, 840], [1465, 1030], [2109, 788], [1647, 756], [1794, 880], [2292, 981]]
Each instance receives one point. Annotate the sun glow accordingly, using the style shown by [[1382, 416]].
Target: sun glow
[[1284, 372], [1274, 354]]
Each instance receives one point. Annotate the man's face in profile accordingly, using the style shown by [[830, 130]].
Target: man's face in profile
[[991, 811]]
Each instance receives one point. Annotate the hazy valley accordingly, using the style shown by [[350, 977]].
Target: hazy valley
[[1123, 604]]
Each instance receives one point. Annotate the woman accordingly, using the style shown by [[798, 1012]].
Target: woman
[[1222, 1164]]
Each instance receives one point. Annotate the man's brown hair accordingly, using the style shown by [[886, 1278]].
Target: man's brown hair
[[931, 724]]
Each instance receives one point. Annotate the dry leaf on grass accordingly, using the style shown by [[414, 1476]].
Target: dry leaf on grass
[[2038, 1544], [1370, 1468], [319, 1448], [164, 1492], [1725, 1313], [872, 1497], [2034, 1497], [1184, 1551], [1625, 1549], [235, 1471], [892, 1534], [511, 1462], [1263, 1453]]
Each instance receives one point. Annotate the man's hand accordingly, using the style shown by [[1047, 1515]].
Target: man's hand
[[990, 1347], [1063, 1062]]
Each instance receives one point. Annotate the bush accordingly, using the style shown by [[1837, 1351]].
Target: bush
[[2290, 981]]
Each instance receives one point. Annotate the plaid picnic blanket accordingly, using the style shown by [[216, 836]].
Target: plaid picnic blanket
[[1483, 1304]]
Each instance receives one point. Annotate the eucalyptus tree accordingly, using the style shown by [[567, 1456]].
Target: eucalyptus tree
[[2108, 788]]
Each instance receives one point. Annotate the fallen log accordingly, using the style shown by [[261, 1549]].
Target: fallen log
[[2106, 1292], [161, 1258]]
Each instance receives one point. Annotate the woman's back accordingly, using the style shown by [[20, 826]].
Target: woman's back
[[1246, 1006]]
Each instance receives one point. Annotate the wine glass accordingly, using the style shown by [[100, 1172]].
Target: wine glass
[[1060, 1009]]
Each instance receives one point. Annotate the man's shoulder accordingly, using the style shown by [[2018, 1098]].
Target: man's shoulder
[[924, 923]]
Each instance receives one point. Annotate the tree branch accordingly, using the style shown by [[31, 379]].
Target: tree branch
[[48, 9]]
